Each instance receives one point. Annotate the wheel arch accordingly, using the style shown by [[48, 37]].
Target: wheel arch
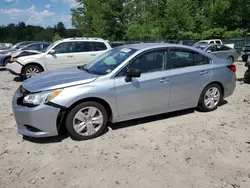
[[64, 113], [32, 63], [219, 84]]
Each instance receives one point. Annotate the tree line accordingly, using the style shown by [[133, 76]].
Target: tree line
[[162, 19], [13, 33]]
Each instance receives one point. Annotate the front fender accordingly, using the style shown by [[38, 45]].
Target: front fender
[[103, 90]]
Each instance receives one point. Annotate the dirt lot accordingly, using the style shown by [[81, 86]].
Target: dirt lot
[[186, 149]]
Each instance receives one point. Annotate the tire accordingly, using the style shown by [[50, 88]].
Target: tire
[[202, 104], [231, 59], [6, 61], [30, 71], [244, 58], [247, 77], [89, 130]]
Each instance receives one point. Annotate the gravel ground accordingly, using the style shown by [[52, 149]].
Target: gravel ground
[[186, 149]]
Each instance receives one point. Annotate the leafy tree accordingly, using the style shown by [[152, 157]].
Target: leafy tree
[[56, 37]]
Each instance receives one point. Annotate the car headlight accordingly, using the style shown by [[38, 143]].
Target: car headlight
[[40, 98]]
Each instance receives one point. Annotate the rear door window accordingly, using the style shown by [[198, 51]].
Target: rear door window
[[99, 46], [179, 58], [83, 47]]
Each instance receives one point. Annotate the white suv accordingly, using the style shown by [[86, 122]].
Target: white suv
[[60, 54]]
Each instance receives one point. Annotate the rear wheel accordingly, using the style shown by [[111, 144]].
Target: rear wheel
[[87, 120], [231, 59], [210, 98], [30, 71]]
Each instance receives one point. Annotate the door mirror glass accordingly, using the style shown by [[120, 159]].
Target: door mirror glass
[[52, 52], [132, 73]]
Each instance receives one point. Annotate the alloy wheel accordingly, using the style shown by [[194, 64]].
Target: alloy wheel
[[88, 121], [212, 97], [32, 72]]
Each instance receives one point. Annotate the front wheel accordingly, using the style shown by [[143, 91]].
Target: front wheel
[[210, 98], [87, 120], [30, 71]]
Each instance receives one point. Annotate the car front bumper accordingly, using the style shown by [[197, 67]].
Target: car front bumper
[[14, 68], [40, 121]]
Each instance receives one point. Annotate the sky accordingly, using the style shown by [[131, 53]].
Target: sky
[[36, 12]]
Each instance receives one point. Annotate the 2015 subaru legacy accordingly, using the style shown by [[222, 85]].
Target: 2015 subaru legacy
[[127, 82]]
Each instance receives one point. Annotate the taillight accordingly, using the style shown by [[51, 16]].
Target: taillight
[[232, 67]]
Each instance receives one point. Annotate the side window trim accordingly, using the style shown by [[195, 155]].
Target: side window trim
[[165, 50]]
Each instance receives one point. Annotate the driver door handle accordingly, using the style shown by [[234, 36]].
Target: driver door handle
[[93, 55], [203, 72], [164, 80], [70, 56]]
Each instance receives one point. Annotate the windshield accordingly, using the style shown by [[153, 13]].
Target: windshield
[[46, 49], [108, 61]]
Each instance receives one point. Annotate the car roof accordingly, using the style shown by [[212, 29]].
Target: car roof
[[92, 39], [145, 46]]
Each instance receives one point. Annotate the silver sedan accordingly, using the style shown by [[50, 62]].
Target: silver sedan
[[221, 51], [125, 83]]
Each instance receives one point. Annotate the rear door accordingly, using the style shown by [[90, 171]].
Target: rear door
[[83, 52], [62, 58], [190, 73], [99, 48]]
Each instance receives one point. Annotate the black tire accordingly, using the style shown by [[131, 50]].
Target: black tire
[[30, 67], [6, 61], [70, 117], [244, 58], [201, 104], [231, 59], [247, 77]]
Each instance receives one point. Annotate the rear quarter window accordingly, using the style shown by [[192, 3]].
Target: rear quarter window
[[99, 46]]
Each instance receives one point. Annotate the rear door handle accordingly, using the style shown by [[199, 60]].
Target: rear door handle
[[164, 80], [70, 56], [203, 72], [93, 55]]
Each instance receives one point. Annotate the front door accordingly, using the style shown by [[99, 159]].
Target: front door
[[63, 57], [191, 72], [148, 94]]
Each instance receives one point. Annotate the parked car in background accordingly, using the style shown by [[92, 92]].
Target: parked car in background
[[212, 41], [17, 46], [245, 52], [5, 56], [127, 82], [31, 49], [116, 44], [221, 51], [70, 52]]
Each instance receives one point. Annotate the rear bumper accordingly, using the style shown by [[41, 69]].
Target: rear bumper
[[229, 87], [14, 68]]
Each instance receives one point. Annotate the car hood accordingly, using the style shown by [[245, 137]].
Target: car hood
[[25, 52], [57, 79], [7, 50]]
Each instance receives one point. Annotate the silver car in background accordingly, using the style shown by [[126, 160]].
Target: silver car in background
[[125, 83], [220, 51]]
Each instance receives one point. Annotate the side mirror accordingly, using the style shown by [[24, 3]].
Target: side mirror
[[209, 51], [132, 73], [52, 52]]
